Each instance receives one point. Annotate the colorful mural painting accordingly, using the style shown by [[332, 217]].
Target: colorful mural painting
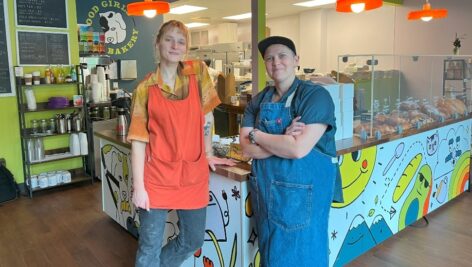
[[406, 179], [230, 238], [386, 188]]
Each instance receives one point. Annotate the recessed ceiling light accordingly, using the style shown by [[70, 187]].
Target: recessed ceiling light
[[196, 24], [186, 9], [315, 3], [239, 17]]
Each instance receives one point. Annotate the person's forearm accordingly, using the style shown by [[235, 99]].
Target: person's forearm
[[251, 150], [138, 154], [255, 151], [208, 134], [291, 146], [284, 146]]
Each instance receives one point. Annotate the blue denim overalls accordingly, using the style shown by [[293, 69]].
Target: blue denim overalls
[[291, 198]]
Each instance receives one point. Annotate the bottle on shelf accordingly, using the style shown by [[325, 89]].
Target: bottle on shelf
[[47, 75], [73, 73], [52, 77], [60, 74]]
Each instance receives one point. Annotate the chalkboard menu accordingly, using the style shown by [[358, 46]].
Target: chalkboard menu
[[5, 75], [41, 13], [43, 48]]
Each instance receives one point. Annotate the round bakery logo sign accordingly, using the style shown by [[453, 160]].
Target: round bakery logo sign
[[119, 29]]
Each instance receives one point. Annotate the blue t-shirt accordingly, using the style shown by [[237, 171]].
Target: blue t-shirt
[[311, 102]]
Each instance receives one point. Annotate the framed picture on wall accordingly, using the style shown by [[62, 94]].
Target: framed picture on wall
[[45, 14], [7, 79]]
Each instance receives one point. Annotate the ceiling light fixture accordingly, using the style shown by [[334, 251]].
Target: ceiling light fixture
[[196, 24], [357, 6], [315, 3], [186, 9], [147, 8], [239, 17], [427, 14]]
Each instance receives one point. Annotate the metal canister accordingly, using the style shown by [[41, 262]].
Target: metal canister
[[77, 123], [122, 123], [69, 123], [61, 123]]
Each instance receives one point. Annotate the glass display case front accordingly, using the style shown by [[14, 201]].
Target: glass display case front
[[396, 93]]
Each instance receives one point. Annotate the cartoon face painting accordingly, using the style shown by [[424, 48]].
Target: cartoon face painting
[[113, 26], [406, 177], [356, 169], [417, 202], [432, 143]]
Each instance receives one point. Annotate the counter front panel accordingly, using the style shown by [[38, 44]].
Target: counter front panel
[[387, 186], [391, 185]]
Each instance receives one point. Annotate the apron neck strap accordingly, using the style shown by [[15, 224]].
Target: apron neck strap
[[288, 103]]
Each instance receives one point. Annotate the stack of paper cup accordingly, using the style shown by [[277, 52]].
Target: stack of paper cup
[[74, 144], [83, 143], [96, 92], [101, 76]]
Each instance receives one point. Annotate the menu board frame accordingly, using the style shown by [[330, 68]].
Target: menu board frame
[[46, 63], [8, 50], [65, 14]]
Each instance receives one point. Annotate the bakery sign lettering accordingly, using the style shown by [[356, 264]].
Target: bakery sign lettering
[[120, 30]]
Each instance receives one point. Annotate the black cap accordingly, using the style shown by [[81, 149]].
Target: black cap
[[264, 44]]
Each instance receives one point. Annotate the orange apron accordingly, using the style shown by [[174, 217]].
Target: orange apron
[[176, 170]]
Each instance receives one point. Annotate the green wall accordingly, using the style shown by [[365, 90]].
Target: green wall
[[10, 143]]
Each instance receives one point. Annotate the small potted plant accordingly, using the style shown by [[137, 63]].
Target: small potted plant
[[457, 44]]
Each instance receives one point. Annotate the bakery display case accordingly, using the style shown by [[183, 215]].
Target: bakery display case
[[398, 93]]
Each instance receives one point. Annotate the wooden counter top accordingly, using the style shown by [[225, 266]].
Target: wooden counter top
[[353, 144], [110, 135], [234, 109], [239, 172]]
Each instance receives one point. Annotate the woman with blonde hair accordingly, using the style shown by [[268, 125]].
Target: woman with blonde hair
[[171, 149]]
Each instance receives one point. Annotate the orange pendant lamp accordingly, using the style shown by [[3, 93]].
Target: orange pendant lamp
[[357, 6], [147, 8], [427, 13]]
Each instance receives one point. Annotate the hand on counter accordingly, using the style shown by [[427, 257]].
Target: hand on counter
[[140, 198], [212, 161]]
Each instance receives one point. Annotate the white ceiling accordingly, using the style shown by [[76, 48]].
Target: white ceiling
[[217, 9]]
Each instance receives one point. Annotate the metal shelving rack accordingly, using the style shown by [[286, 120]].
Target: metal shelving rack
[[82, 174], [456, 79]]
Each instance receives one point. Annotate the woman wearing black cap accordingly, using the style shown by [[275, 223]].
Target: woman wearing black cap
[[288, 129]]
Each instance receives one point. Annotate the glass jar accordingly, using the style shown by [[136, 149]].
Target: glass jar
[[43, 125], [96, 113], [34, 126], [113, 112], [106, 113], [52, 126]]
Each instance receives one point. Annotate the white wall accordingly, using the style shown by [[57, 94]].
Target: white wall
[[436, 36], [322, 35]]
